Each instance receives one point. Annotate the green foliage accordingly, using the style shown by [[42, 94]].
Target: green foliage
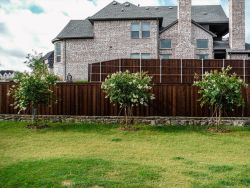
[[128, 90], [221, 90], [32, 89]]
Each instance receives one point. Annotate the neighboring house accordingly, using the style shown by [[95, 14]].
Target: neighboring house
[[130, 31], [6, 75], [49, 60]]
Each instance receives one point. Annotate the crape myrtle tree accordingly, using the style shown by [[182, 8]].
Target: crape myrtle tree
[[128, 90], [33, 88], [221, 91]]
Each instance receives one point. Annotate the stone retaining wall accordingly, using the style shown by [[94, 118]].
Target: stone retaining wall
[[153, 120]]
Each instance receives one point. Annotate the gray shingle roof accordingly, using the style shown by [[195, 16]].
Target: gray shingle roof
[[221, 45], [115, 10], [224, 45], [200, 14], [76, 29], [118, 11]]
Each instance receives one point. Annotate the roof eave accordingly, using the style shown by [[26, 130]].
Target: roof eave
[[65, 38], [128, 18]]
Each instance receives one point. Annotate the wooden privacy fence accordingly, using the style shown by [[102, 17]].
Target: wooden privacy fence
[[173, 71], [89, 100]]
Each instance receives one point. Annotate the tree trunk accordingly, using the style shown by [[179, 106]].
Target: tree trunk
[[34, 113]]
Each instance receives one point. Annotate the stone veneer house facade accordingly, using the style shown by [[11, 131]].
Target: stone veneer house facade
[[130, 31]]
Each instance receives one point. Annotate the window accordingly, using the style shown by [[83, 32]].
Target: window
[[165, 43], [135, 56], [145, 56], [140, 30], [202, 43], [140, 55], [58, 51], [145, 29], [202, 56], [135, 30], [165, 56]]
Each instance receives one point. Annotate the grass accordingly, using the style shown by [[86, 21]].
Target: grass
[[92, 155]]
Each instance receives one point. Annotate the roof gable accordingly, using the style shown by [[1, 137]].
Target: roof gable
[[193, 22]]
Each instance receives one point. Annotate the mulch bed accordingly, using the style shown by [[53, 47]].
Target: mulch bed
[[219, 130]]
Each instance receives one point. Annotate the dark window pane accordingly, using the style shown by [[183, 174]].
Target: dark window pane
[[165, 43], [145, 34], [58, 58], [202, 43], [135, 34]]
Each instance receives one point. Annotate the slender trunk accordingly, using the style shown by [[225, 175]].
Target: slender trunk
[[34, 113], [126, 115], [219, 118]]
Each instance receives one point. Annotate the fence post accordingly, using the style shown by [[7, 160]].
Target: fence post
[[202, 67], [100, 71], [140, 63], [120, 65], [223, 63], [160, 69], [244, 70], [181, 72], [90, 72]]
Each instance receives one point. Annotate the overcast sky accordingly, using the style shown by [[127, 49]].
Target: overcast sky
[[27, 25]]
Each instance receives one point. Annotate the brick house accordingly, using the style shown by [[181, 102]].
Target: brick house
[[130, 31]]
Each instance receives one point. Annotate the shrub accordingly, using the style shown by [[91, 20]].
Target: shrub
[[128, 90], [33, 88], [221, 91]]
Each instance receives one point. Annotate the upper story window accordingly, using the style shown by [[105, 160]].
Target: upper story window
[[166, 56], [135, 30], [202, 43], [202, 56], [165, 43], [58, 51], [145, 29], [140, 30]]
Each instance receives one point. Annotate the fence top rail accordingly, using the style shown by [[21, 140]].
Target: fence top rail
[[197, 60]]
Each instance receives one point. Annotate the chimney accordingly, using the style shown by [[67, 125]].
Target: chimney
[[184, 48], [184, 20], [237, 24]]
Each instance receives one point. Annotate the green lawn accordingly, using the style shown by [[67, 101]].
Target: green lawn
[[90, 155]]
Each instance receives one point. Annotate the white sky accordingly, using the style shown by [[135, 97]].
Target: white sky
[[27, 25]]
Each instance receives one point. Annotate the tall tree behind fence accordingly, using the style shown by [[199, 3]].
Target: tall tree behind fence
[[89, 100], [174, 71]]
